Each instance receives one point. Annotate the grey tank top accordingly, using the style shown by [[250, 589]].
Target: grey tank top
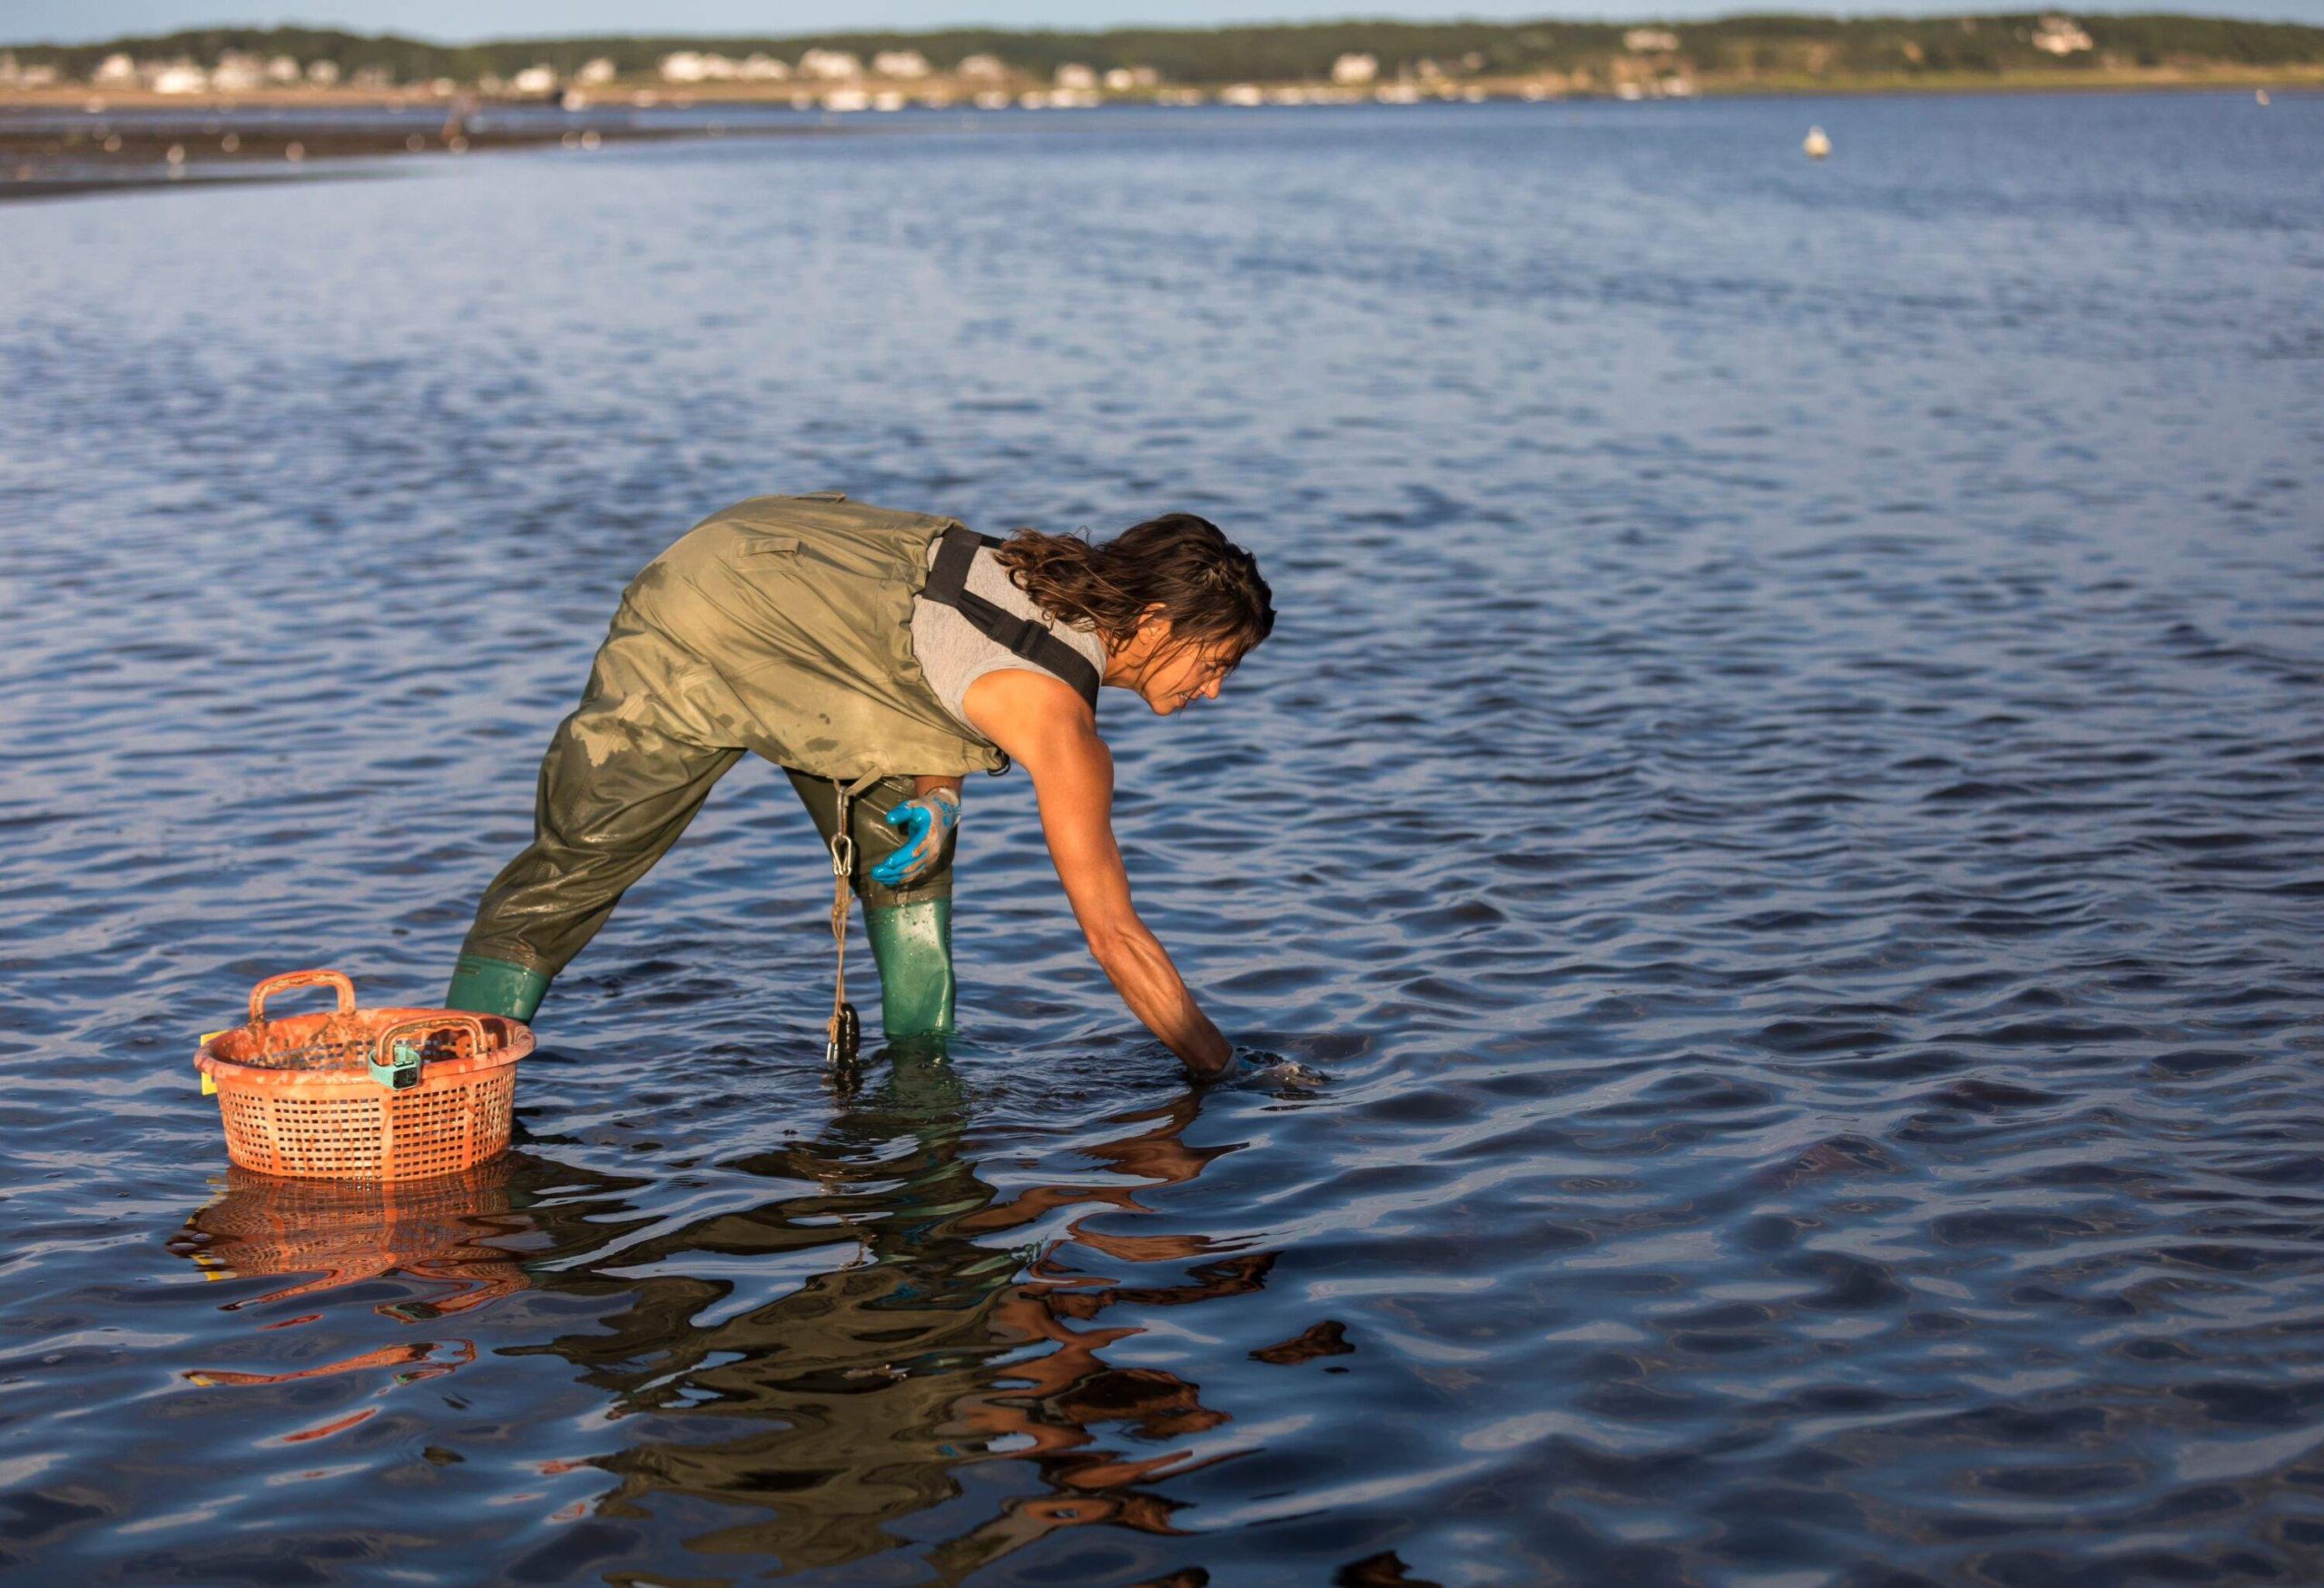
[[953, 654]]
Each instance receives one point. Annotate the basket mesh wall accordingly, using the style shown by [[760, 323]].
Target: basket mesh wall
[[349, 1127]]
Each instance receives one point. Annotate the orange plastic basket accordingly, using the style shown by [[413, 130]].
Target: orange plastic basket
[[307, 1095]]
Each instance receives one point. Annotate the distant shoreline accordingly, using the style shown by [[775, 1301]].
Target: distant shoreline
[[1289, 93], [621, 97], [68, 142]]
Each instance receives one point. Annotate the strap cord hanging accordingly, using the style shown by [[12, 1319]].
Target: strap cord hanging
[[843, 1036]]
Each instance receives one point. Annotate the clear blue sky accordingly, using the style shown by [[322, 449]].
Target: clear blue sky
[[74, 21]]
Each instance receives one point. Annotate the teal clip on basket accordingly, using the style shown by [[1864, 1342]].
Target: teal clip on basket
[[402, 1068]]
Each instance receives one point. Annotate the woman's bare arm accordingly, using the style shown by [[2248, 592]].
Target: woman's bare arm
[[1042, 724]]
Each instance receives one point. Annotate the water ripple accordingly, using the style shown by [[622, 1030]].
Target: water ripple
[[1781, 828]]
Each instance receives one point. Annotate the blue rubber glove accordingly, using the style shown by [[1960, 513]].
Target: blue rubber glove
[[926, 822]]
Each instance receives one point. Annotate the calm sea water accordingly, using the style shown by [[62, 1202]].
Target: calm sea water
[[1787, 802]]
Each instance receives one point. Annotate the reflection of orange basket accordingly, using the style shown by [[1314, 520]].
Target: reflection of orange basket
[[338, 1234], [363, 1094]]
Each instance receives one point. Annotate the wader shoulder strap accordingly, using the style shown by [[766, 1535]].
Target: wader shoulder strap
[[948, 586]]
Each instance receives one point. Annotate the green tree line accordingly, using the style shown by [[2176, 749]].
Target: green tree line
[[1741, 45]]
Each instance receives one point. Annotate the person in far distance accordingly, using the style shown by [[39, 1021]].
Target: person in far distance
[[877, 657]]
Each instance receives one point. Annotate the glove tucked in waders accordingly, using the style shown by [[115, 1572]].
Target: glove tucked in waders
[[780, 627], [926, 822]]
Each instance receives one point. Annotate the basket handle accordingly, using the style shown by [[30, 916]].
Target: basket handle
[[289, 978], [384, 1048]]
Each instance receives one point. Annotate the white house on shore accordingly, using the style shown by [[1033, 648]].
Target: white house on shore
[[831, 65], [237, 73], [695, 66], [2060, 35]]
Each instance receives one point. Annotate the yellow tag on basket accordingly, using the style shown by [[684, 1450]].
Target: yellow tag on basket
[[209, 1086]]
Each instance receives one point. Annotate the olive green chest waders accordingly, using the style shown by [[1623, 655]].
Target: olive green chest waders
[[780, 627]]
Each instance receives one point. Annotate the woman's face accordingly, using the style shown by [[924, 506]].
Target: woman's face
[[1171, 673]]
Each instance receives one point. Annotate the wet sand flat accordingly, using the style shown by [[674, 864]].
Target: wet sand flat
[[48, 152]]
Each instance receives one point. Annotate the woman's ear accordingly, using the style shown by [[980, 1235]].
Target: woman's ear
[[1151, 632], [1153, 628]]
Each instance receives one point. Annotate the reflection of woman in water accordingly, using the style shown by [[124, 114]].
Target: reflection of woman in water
[[858, 1396], [921, 1343]]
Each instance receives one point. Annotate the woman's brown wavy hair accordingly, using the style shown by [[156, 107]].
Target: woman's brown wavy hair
[[1206, 586]]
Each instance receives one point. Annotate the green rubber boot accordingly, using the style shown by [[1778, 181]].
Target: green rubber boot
[[913, 946], [483, 986]]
